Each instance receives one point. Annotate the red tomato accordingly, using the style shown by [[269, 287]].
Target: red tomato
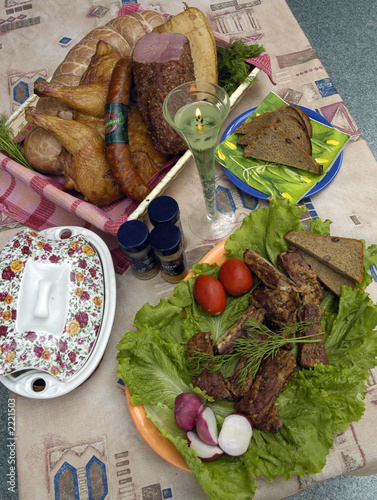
[[236, 277], [210, 294]]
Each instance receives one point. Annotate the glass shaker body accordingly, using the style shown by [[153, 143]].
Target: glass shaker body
[[133, 237], [166, 241], [165, 209]]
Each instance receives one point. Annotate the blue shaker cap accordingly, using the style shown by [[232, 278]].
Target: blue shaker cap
[[163, 209], [166, 239], [133, 236]]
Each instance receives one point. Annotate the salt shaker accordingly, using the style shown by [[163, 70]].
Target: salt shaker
[[165, 209], [133, 237], [166, 241]]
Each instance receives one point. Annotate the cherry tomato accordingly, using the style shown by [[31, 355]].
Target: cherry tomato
[[210, 294], [236, 277]]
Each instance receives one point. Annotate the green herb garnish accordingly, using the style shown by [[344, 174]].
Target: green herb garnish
[[258, 343], [9, 145], [232, 68]]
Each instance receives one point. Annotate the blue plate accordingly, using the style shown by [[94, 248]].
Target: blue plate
[[326, 179]]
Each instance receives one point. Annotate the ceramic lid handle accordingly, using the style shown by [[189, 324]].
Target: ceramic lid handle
[[41, 309]]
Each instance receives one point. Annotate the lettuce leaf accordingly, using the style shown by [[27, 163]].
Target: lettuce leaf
[[316, 404]]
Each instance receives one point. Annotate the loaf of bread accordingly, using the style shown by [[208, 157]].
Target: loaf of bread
[[42, 150], [343, 255]]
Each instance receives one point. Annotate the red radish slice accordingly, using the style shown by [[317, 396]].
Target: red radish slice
[[235, 434], [204, 451], [187, 406], [206, 426]]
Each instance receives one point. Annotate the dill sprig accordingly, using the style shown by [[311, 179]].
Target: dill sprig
[[232, 68], [9, 145], [258, 343]]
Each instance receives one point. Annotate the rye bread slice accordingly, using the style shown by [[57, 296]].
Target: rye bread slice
[[273, 144], [258, 121], [327, 276], [290, 125], [305, 117], [343, 255]]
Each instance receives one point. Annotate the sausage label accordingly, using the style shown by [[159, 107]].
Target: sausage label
[[116, 123]]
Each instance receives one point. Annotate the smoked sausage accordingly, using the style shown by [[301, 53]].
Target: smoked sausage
[[116, 133]]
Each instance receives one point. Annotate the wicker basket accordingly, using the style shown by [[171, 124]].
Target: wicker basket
[[18, 125]]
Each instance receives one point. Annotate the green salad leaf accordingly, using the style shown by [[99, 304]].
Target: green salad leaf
[[315, 405]]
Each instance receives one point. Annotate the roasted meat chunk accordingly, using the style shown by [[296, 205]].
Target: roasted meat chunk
[[312, 353], [302, 275], [233, 383], [266, 272], [280, 305], [273, 376], [211, 382], [225, 344]]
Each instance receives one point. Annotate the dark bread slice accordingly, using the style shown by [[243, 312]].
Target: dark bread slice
[[274, 145], [327, 276], [343, 255], [290, 125], [258, 121], [305, 117]]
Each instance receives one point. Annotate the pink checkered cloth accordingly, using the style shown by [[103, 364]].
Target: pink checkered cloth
[[38, 201]]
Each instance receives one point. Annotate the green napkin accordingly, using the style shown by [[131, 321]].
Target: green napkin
[[274, 178]]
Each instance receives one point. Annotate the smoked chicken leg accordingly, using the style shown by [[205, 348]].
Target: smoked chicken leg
[[86, 168]]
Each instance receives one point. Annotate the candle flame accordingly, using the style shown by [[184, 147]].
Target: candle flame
[[199, 118]]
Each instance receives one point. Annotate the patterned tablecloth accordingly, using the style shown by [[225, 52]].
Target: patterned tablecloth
[[85, 444]]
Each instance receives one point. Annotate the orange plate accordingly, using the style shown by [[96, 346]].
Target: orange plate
[[149, 431]]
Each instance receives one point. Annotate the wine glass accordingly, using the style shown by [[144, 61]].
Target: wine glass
[[197, 110]]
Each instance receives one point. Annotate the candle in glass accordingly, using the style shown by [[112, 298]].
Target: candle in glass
[[200, 122]]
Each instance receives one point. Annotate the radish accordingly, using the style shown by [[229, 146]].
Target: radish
[[187, 406], [206, 426], [204, 451], [235, 434]]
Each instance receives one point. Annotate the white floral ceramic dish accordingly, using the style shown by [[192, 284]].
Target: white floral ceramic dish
[[57, 304]]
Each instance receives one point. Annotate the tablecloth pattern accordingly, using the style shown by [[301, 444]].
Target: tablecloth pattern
[[84, 444]]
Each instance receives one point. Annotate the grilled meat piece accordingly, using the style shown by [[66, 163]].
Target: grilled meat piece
[[211, 382], [273, 376], [266, 272], [225, 343], [280, 305], [312, 353], [302, 275], [233, 384]]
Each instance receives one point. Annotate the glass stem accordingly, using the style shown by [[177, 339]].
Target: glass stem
[[205, 162]]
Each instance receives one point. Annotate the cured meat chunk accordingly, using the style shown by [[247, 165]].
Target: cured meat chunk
[[280, 305], [225, 344], [273, 376], [233, 383], [161, 62], [211, 382], [302, 275], [266, 272], [312, 353]]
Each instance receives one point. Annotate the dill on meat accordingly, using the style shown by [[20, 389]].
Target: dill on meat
[[258, 343], [232, 68]]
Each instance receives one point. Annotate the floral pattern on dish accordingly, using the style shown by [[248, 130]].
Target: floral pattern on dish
[[64, 354]]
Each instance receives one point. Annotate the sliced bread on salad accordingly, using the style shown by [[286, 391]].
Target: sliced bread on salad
[[327, 276], [343, 255]]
